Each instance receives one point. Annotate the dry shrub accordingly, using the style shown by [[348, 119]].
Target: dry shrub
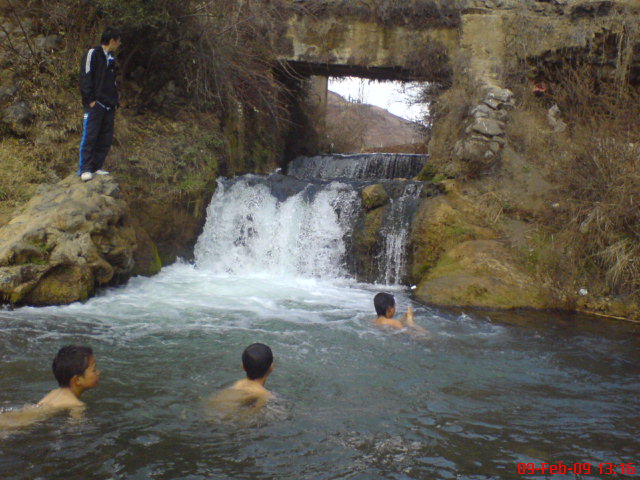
[[596, 165], [602, 180], [431, 61]]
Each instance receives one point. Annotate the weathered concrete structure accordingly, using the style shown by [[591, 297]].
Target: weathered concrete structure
[[344, 46], [490, 32]]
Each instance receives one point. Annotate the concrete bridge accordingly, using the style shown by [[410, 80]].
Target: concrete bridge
[[351, 47], [532, 34], [340, 47], [487, 36]]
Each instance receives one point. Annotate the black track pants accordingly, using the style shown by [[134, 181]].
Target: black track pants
[[97, 134]]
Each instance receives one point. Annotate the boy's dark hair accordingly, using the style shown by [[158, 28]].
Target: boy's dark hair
[[108, 34], [382, 301], [70, 360], [256, 360]]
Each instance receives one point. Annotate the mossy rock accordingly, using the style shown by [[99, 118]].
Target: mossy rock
[[374, 196], [366, 244], [480, 273], [146, 257], [62, 285], [437, 227]]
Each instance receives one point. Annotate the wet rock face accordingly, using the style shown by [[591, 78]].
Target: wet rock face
[[70, 238]]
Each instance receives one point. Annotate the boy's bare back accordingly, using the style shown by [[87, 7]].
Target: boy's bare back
[[244, 395]]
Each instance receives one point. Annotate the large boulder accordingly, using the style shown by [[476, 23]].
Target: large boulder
[[69, 239]]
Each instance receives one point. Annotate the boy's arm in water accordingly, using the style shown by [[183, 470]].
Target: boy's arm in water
[[51, 404], [407, 318]]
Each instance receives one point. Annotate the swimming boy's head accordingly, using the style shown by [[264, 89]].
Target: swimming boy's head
[[383, 302], [257, 360], [75, 363]]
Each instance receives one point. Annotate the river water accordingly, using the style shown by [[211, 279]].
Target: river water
[[353, 401]]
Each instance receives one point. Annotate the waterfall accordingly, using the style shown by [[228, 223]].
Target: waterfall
[[266, 224], [358, 166], [395, 234], [303, 226]]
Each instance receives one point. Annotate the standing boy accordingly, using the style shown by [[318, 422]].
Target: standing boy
[[100, 100]]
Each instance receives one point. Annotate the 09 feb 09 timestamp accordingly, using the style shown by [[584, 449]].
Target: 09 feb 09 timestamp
[[576, 468]]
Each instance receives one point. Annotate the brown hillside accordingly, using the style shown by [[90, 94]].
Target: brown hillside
[[361, 127]]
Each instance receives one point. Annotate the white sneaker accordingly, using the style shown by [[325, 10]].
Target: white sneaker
[[101, 172], [86, 176]]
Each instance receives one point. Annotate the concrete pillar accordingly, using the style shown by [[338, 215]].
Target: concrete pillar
[[318, 99], [318, 92]]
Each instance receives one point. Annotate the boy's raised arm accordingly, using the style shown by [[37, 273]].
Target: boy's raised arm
[[407, 318]]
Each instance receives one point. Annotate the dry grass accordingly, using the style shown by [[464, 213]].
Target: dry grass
[[595, 164]]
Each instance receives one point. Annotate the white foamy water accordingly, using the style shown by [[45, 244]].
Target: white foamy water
[[355, 401], [395, 235], [252, 231]]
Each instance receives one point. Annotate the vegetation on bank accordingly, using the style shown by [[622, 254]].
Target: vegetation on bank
[[584, 226], [595, 165], [199, 98]]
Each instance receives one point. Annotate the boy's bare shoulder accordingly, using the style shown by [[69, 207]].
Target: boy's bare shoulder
[[389, 322], [60, 398]]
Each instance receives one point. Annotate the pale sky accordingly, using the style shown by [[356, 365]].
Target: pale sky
[[392, 95]]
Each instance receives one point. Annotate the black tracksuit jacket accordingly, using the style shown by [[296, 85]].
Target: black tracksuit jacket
[[98, 78]]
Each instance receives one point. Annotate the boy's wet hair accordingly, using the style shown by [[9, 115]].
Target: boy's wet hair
[[383, 301], [70, 360], [109, 34], [256, 360]]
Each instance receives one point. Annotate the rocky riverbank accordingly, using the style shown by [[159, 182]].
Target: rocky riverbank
[[69, 239]]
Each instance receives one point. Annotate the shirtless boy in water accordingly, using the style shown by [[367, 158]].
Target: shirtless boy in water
[[74, 367], [385, 305], [248, 394], [75, 370]]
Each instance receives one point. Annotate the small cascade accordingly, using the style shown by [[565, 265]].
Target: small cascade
[[277, 225], [301, 225], [395, 234], [358, 166]]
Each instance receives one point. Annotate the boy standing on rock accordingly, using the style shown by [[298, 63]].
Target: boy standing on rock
[[100, 100]]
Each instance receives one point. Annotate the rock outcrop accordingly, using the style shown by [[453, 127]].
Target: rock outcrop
[[69, 239], [457, 260], [480, 148], [480, 273]]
